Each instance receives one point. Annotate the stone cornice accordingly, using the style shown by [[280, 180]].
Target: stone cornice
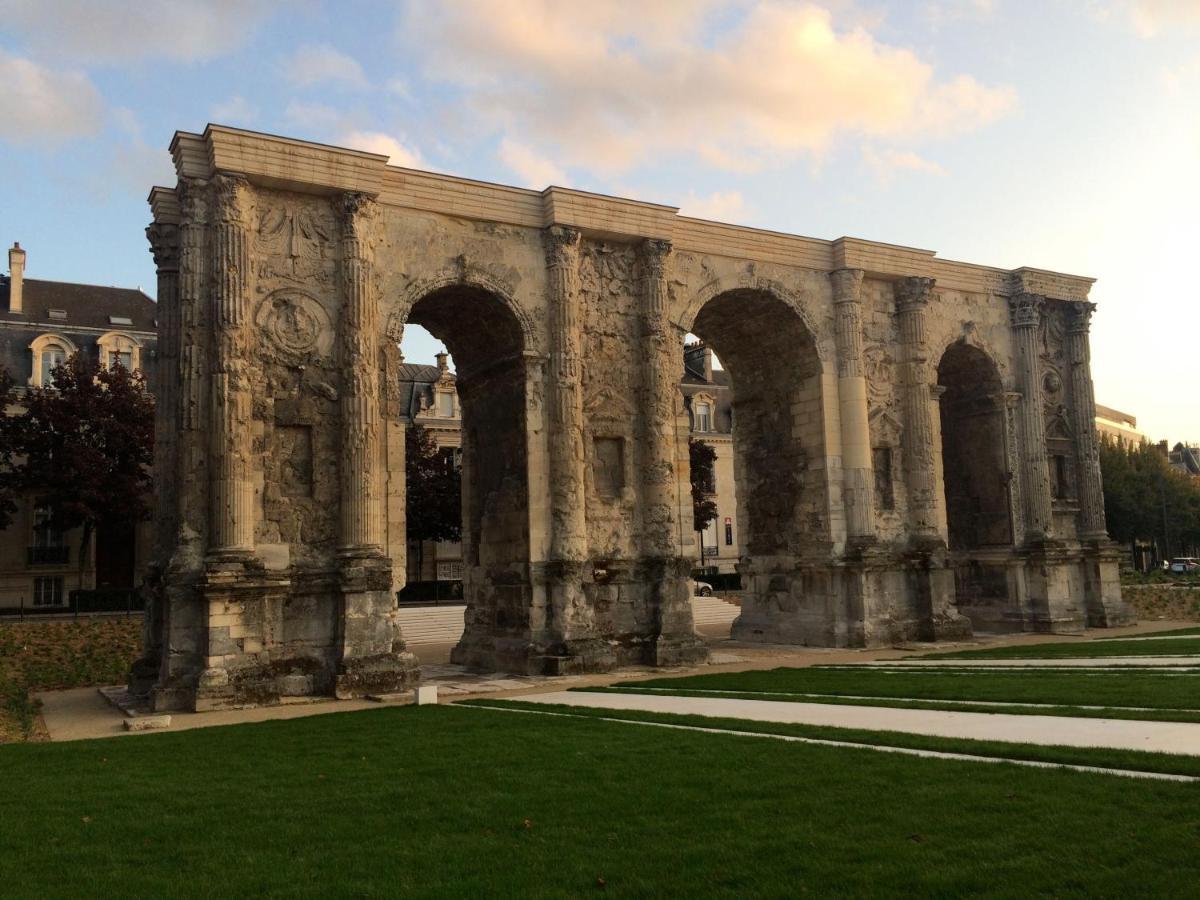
[[284, 163]]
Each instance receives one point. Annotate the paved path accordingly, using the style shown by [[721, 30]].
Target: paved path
[[1121, 734]]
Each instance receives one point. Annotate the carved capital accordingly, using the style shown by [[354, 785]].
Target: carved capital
[[231, 200], [847, 285], [164, 245], [358, 213], [193, 201], [913, 293], [560, 242], [654, 254], [1026, 309], [1080, 320]]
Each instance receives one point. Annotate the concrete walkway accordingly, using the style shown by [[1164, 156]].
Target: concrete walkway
[[1120, 734]]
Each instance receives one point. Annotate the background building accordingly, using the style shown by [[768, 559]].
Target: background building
[[1116, 425], [42, 323]]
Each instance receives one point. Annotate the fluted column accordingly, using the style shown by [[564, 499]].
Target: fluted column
[[232, 511], [361, 421], [912, 299], [659, 374], [858, 491], [569, 534], [164, 245], [1025, 312], [192, 445], [1083, 408]]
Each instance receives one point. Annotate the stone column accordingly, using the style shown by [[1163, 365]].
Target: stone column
[[568, 539], [936, 392], [1083, 409], [164, 245], [859, 486], [232, 492], [359, 401], [660, 533], [1025, 310], [912, 299], [191, 457]]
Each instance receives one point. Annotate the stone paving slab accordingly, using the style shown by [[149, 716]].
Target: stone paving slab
[[1118, 734]]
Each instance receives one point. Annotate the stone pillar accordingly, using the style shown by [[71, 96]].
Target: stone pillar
[[1025, 310], [859, 486], [936, 392], [1009, 404], [371, 649], [660, 532], [359, 401], [1083, 409], [666, 571], [231, 514], [912, 299], [164, 244], [194, 326], [568, 541]]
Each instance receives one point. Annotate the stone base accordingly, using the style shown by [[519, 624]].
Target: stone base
[[1103, 603], [385, 674]]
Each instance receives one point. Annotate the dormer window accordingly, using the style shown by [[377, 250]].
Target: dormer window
[[60, 314], [49, 351], [445, 404], [119, 349], [120, 320]]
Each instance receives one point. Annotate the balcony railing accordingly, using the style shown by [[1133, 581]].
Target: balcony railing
[[49, 556]]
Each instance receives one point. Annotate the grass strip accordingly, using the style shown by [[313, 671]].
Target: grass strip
[[1174, 632], [943, 706], [1182, 646], [1099, 757], [445, 801], [1108, 688]]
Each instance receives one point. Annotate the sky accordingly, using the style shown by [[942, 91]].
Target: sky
[[1059, 134]]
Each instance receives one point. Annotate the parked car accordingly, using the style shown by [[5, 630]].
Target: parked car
[[1185, 564], [701, 589]]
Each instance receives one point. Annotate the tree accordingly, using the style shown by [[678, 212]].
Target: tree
[[702, 458], [9, 452], [433, 499], [1146, 499], [85, 444]]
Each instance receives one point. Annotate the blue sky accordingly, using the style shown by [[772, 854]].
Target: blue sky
[[1057, 134]]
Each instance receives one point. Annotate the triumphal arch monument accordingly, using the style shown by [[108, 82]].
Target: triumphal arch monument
[[914, 444]]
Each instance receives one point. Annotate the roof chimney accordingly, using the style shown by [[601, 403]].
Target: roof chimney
[[16, 281], [441, 362]]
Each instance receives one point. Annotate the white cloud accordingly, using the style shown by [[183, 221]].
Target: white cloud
[[885, 163], [606, 86], [38, 103], [237, 110], [720, 206], [945, 12], [1149, 17], [534, 171], [314, 116], [313, 64], [122, 31], [398, 152]]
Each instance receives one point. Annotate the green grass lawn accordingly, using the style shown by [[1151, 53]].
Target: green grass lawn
[[467, 802], [1182, 646], [1174, 632]]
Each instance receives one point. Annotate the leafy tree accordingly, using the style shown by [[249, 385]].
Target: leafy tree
[[433, 491], [84, 446], [1146, 499], [9, 485], [702, 458]]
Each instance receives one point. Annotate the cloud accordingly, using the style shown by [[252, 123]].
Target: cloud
[[533, 170], [944, 12], [123, 31], [885, 163], [237, 110], [313, 64], [1149, 17], [721, 206], [607, 86], [39, 104], [377, 142]]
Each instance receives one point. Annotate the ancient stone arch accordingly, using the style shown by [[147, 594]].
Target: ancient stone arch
[[287, 271]]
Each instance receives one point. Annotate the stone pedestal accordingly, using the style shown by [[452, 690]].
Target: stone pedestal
[[1051, 604], [373, 658], [1104, 607]]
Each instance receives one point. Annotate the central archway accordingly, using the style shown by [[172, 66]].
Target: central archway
[[486, 339], [779, 454]]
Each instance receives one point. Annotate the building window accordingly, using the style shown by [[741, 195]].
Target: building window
[[728, 533], [124, 359], [445, 404], [119, 349], [49, 350], [881, 460], [450, 571], [52, 357], [48, 591], [702, 415]]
